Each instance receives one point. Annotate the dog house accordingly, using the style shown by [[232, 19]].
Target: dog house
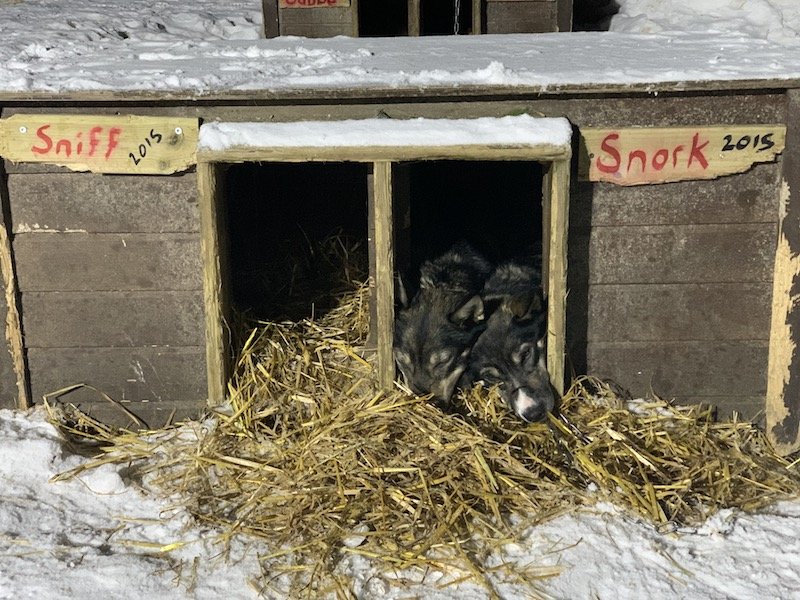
[[371, 18], [681, 242]]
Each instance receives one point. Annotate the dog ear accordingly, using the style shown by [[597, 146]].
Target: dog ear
[[471, 310], [524, 307]]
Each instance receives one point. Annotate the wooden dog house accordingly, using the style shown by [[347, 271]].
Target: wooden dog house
[[681, 244], [370, 18]]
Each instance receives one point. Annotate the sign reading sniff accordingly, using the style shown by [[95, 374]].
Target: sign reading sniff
[[101, 144], [635, 156]]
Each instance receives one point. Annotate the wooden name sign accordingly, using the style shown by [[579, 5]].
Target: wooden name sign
[[637, 156], [312, 3], [101, 144]]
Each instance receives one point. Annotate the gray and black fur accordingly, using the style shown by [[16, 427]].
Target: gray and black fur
[[509, 353], [434, 333]]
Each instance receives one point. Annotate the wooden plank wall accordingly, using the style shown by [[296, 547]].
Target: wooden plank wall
[[783, 388], [669, 285], [111, 293], [320, 22], [672, 284], [522, 16]]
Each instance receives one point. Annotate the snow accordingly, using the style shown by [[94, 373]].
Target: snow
[[103, 535], [211, 50], [387, 133]]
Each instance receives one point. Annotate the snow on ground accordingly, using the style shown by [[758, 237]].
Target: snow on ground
[[103, 536], [774, 20]]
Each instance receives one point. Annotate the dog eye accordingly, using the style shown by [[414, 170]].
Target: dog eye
[[490, 375], [525, 354]]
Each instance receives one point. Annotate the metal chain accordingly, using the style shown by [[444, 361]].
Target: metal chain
[[457, 11]]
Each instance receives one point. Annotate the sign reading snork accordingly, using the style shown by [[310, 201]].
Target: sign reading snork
[[636, 156]]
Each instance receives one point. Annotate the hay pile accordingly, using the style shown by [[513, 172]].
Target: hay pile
[[314, 459]]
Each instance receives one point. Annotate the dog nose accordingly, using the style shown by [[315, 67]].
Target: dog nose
[[528, 405]]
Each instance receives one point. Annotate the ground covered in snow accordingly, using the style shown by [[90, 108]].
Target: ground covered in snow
[[103, 535]]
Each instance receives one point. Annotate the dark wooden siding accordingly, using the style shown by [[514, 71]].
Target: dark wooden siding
[[678, 286], [8, 388], [670, 284], [111, 290], [319, 22], [521, 16]]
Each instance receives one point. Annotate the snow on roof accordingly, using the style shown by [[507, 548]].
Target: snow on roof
[[521, 130], [343, 66], [143, 50]]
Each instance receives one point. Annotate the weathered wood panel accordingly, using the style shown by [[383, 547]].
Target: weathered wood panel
[[84, 319], [144, 374], [319, 22], [659, 312], [8, 378], [750, 197], [108, 262], [750, 408], [269, 10], [536, 16], [103, 203], [783, 393], [683, 369], [678, 254], [149, 415], [630, 110]]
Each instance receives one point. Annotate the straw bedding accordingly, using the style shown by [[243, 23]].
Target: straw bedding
[[314, 459]]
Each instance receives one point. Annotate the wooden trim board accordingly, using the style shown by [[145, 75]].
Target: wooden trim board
[[783, 371]]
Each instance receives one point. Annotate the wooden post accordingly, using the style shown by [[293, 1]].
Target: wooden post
[[414, 16], [269, 12], [384, 271], [564, 15], [477, 22], [14, 339], [783, 372], [557, 202], [214, 294]]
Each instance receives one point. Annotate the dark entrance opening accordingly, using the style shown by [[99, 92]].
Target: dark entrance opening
[[495, 206], [439, 18], [296, 235], [382, 18]]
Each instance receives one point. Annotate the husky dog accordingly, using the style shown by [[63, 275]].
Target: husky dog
[[509, 353], [434, 332]]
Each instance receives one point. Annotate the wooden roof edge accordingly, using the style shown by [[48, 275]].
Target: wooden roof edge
[[382, 94]]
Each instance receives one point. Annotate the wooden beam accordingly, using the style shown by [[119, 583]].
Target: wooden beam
[[14, 338], [384, 271], [564, 15], [355, 31], [272, 26], [214, 292], [477, 21], [414, 18], [783, 372], [542, 152], [558, 195]]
